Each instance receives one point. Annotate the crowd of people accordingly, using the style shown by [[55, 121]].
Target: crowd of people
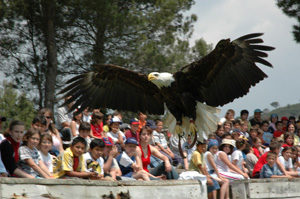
[[92, 145]]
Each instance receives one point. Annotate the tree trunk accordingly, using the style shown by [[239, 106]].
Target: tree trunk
[[51, 71]]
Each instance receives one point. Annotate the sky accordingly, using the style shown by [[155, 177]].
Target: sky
[[222, 19]]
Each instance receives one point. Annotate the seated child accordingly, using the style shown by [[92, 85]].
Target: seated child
[[45, 146], [130, 164], [70, 163], [111, 167], [10, 149], [30, 158], [115, 134], [237, 155], [93, 160], [271, 170], [198, 164], [84, 132], [286, 160]]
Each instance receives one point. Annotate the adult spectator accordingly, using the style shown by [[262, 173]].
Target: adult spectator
[[133, 131], [64, 118], [52, 130], [229, 116], [272, 126], [257, 117], [244, 117]]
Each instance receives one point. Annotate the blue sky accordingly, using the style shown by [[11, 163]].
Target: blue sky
[[221, 19]]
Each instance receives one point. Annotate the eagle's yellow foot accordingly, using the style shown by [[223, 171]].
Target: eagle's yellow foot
[[193, 128], [178, 130]]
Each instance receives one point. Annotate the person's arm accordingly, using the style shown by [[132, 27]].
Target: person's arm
[[44, 168], [164, 158], [169, 152], [18, 172], [211, 161], [281, 167], [204, 172], [60, 148], [81, 174], [224, 158], [73, 128], [108, 163], [36, 167]]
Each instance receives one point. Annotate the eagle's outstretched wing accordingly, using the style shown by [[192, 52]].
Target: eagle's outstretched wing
[[227, 72], [111, 86]]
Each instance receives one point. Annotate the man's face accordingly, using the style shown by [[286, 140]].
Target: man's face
[[97, 152], [78, 149], [257, 115]]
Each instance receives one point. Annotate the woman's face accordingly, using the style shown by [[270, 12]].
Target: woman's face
[[145, 136], [227, 148], [290, 140], [291, 128], [17, 132]]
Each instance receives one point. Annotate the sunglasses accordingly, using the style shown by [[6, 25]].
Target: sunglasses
[[48, 117]]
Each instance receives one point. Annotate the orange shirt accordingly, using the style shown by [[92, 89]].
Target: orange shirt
[[141, 125]]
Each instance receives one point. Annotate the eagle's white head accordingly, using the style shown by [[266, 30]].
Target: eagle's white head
[[161, 79]]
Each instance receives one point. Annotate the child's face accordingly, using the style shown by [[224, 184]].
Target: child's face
[[271, 161], [213, 149], [257, 143], [130, 149], [294, 155], [253, 134], [220, 132], [134, 127], [159, 126], [115, 127], [17, 133], [279, 126], [235, 135], [97, 152], [33, 141], [201, 148], [291, 128], [287, 154], [227, 127], [45, 145], [78, 149], [107, 149], [84, 133], [289, 140], [265, 127]]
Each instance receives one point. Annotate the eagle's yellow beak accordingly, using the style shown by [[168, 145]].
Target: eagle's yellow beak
[[151, 77]]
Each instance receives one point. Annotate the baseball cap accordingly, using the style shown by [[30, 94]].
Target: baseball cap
[[284, 118], [257, 110], [115, 120], [134, 121], [107, 141], [131, 141], [151, 124]]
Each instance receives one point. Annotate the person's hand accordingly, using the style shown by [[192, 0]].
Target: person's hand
[[168, 167], [3, 175], [93, 175], [114, 151], [245, 175], [209, 180]]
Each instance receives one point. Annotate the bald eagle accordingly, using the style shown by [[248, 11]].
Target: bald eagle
[[192, 92]]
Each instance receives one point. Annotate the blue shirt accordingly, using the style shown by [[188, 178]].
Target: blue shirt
[[267, 137], [125, 163], [267, 171]]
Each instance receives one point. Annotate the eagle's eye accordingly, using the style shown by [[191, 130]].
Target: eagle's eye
[[156, 75]]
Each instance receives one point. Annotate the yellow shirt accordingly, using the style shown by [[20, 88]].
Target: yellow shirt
[[64, 162], [196, 160]]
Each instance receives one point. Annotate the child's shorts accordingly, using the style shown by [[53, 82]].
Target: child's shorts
[[213, 187]]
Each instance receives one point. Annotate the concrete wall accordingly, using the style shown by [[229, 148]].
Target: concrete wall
[[77, 188], [266, 188]]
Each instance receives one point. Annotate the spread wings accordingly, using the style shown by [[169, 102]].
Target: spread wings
[[110, 86], [227, 72]]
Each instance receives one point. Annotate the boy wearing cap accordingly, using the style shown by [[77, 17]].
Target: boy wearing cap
[[133, 131], [110, 167], [130, 164], [197, 163]]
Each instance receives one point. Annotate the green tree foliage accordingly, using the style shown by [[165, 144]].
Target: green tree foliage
[[140, 35], [292, 9], [15, 106]]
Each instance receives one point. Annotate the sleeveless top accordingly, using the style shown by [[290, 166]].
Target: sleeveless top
[[146, 161], [221, 166]]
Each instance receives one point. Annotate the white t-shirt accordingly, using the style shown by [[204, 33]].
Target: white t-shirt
[[92, 165], [288, 164], [238, 155], [208, 165], [115, 136], [160, 138], [47, 161]]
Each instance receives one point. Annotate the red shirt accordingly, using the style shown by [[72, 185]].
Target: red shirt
[[277, 133], [145, 161], [75, 163], [260, 163], [130, 134], [97, 130], [256, 152]]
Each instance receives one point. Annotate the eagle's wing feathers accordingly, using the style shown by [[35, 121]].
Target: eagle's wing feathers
[[111, 86], [227, 72]]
